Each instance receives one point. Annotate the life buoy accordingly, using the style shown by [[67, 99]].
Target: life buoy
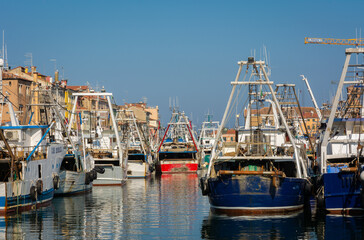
[[33, 193], [39, 186], [56, 182]]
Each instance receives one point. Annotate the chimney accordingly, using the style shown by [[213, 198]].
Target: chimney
[[35, 76], [56, 74], [34, 69]]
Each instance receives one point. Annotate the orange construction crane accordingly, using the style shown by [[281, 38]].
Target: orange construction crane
[[333, 41]]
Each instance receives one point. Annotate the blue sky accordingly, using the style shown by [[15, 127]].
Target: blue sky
[[185, 49]]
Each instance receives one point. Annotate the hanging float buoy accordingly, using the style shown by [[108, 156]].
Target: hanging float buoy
[[39, 187], [33, 193]]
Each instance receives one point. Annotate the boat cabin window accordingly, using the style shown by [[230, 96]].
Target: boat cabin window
[[4, 171], [39, 171], [177, 155], [140, 157], [69, 163]]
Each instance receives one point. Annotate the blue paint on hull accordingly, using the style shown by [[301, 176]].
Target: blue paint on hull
[[342, 190], [25, 201], [251, 191]]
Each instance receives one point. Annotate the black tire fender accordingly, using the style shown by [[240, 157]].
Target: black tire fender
[[56, 182], [39, 187]]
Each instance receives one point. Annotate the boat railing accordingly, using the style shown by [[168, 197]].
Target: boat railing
[[242, 172], [22, 153], [253, 149]]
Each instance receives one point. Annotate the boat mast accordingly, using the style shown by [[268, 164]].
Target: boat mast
[[301, 171], [223, 121], [297, 158], [312, 97], [330, 122]]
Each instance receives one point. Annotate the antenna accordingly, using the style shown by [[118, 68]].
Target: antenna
[[177, 104], [144, 99], [62, 73], [2, 53], [55, 63], [30, 60], [6, 58], [1, 81]]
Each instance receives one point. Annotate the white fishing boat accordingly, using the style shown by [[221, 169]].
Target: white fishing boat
[[105, 146], [76, 174], [139, 152], [207, 139], [29, 164]]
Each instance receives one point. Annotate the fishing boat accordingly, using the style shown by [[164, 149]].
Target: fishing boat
[[177, 150], [30, 165], [104, 145], [30, 161], [76, 174], [207, 139], [263, 171], [340, 148], [140, 162], [76, 171]]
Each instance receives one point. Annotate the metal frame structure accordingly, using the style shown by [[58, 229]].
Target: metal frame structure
[[325, 141], [108, 96], [259, 68]]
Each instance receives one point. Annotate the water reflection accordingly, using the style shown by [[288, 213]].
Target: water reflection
[[339, 227], [165, 207], [279, 227], [29, 225]]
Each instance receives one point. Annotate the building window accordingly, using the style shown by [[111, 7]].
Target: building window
[[20, 87], [231, 139], [224, 139]]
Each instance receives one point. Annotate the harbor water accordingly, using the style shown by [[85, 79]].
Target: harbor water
[[170, 206]]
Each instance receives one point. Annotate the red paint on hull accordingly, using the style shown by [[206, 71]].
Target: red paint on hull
[[179, 167], [351, 212], [256, 212], [14, 210]]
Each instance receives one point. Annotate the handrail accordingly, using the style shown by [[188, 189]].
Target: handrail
[[236, 172]]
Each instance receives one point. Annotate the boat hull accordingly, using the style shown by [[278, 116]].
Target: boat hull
[[15, 196], [22, 202], [72, 182], [177, 166], [253, 195], [113, 176], [138, 169], [342, 193]]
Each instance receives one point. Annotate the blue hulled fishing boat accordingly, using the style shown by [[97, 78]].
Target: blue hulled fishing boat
[[264, 170], [340, 148]]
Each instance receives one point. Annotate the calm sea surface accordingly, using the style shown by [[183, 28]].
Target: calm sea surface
[[165, 207]]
